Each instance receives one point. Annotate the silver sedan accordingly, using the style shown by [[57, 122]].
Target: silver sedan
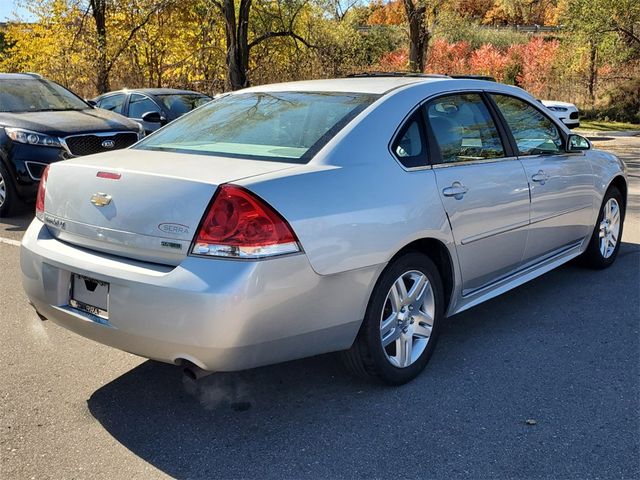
[[295, 219]]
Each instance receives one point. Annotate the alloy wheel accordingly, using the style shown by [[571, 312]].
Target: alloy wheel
[[3, 190], [609, 228], [407, 318]]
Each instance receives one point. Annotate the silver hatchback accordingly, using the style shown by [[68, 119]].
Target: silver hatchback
[[290, 220]]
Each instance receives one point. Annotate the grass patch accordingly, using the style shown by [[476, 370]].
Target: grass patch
[[602, 126]]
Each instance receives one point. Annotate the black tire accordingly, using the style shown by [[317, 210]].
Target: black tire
[[367, 357], [592, 256], [11, 201]]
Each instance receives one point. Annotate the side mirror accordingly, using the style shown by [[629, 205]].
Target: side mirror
[[92, 103], [154, 117], [577, 143]]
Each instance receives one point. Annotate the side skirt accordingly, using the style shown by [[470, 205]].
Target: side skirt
[[475, 297]]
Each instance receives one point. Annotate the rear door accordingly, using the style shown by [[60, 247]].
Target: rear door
[[113, 103], [561, 183], [483, 188]]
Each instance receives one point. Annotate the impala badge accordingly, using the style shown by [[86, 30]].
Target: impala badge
[[101, 199], [108, 144]]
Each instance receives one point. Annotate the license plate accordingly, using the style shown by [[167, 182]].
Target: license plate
[[90, 296]]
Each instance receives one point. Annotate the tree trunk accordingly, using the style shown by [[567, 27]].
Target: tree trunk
[[237, 37], [593, 73], [98, 10], [418, 35]]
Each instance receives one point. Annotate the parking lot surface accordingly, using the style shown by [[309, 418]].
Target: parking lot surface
[[542, 382]]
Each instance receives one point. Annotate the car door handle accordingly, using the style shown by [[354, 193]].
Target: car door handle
[[540, 177], [456, 190]]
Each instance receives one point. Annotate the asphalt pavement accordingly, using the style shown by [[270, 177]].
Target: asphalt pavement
[[542, 382]]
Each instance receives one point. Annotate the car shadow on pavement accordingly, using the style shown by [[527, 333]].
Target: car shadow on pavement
[[527, 385], [20, 221]]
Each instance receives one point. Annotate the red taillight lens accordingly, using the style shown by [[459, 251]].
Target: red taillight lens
[[239, 224], [42, 189]]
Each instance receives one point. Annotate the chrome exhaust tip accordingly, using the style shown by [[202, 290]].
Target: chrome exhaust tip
[[194, 372]]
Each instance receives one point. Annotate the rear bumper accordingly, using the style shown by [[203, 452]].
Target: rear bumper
[[222, 315]]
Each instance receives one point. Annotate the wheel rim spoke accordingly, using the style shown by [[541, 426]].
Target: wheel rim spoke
[[389, 330], [3, 190], [398, 294], [418, 289], [404, 346]]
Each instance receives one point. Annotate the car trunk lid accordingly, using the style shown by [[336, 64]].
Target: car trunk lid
[[139, 204]]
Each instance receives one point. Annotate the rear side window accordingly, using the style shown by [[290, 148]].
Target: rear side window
[[464, 129], [139, 105], [285, 126], [534, 133], [113, 103], [409, 146]]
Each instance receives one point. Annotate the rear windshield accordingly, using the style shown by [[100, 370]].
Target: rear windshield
[[284, 126], [180, 103], [36, 95]]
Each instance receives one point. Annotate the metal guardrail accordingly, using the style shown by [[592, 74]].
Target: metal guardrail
[[515, 28]]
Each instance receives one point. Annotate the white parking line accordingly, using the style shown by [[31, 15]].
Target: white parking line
[[9, 241]]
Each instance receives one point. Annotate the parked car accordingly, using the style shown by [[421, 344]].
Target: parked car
[[566, 112], [153, 107], [290, 220], [42, 122]]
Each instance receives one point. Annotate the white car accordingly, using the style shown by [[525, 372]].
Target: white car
[[566, 112]]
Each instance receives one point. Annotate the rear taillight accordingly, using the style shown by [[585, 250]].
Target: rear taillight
[[240, 225], [42, 189]]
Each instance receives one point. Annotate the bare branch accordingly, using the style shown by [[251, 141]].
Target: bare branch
[[287, 33]]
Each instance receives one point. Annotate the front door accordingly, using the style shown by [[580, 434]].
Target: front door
[[484, 191], [138, 106], [561, 183]]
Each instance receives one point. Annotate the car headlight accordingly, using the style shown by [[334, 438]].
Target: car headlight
[[29, 137], [141, 132]]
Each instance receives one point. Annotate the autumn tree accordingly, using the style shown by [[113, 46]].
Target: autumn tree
[[594, 22], [237, 29], [421, 19], [144, 10]]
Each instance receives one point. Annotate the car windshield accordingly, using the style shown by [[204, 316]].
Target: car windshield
[[284, 126], [36, 95], [180, 103]]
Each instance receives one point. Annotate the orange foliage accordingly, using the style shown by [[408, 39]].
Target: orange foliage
[[391, 13], [536, 62], [395, 61], [448, 58], [488, 60], [473, 8], [531, 65]]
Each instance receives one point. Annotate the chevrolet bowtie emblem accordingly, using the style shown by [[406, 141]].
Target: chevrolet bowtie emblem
[[101, 199]]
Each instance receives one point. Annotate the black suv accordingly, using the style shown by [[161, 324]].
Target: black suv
[[40, 123]]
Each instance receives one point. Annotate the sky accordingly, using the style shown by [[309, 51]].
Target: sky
[[7, 7]]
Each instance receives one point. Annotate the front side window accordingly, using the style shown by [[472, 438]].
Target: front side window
[[285, 126], [534, 133], [139, 105], [409, 146], [463, 128], [36, 95], [113, 103]]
